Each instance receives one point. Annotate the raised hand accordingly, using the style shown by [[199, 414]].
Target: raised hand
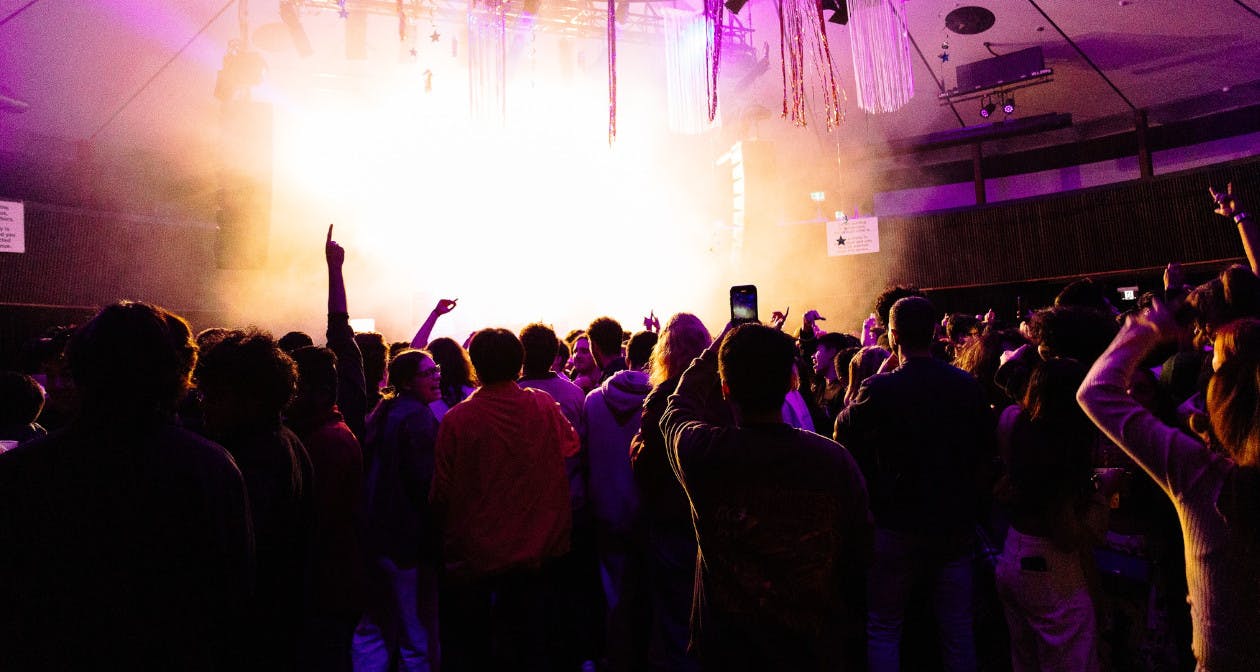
[[652, 322], [334, 253], [777, 318], [444, 306], [1226, 204]]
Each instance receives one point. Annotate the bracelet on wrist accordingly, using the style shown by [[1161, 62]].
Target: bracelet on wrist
[[1239, 217]]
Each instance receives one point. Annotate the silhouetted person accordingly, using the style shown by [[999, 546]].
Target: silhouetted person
[[780, 515], [247, 381], [605, 337], [922, 435], [126, 540], [502, 499], [337, 470]]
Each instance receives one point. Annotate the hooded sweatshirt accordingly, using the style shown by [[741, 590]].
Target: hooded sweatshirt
[[612, 413]]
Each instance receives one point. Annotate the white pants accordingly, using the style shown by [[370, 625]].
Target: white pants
[[1048, 608]]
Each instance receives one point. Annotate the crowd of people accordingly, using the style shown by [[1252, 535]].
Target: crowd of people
[[1076, 489]]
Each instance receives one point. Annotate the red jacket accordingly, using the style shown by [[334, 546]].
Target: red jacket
[[499, 491]]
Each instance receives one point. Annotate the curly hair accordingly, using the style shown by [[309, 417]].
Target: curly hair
[[248, 369]]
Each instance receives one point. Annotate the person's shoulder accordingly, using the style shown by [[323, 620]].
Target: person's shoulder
[[826, 450]]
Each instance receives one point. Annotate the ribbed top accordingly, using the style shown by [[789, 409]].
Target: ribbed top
[[1223, 578]]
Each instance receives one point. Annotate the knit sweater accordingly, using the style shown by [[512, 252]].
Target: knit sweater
[[1221, 574]]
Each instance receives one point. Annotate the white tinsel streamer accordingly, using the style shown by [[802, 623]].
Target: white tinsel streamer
[[882, 70], [686, 71], [487, 61]]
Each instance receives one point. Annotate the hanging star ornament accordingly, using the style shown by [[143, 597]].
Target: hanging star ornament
[[435, 36], [413, 52], [944, 56]]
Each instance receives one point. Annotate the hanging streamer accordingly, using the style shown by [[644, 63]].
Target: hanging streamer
[[692, 103], [714, 16], [487, 60], [612, 71], [803, 38], [882, 69]]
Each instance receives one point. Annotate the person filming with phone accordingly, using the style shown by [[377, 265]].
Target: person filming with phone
[[781, 514]]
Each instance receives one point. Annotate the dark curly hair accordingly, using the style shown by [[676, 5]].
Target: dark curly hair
[[249, 371]]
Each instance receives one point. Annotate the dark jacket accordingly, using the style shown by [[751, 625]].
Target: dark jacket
[[128, 547], [784, 531], [923, 435]]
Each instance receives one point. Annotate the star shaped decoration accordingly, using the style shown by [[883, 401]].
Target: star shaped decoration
[[413, 52], [944, 56], [435, 36], [840, 240]]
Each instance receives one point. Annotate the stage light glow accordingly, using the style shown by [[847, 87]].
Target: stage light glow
[[538, 219]]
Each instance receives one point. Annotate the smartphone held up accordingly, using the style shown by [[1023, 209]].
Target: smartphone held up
[[743, 304]]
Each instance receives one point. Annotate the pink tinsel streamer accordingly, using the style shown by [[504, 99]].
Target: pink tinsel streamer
[[714, 15], [802, 36]]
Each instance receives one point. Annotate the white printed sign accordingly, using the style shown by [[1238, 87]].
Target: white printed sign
[[12, 227], [859, 235]]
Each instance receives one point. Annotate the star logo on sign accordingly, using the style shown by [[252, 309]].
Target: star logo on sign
[[435, 36], [840, 240]]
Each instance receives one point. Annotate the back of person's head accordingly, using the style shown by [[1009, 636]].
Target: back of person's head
[[317, 376], [540, 343], [457, 368], [862, 365], [496, 355], [837, 341], [397, 347], [605, 334], [573, 335], [914, 321], [639, 350], [1084, 293], [375, 356], [1240, 337], [1242, 291], [1233, 404], [246, 381], [562, 356], [755, 363], [842, 359], [293, 340], [884, 302], [209, 337], [21, 400], [1073, 332], [682, 340], [960, 325], [1050, 398], [132, 358]]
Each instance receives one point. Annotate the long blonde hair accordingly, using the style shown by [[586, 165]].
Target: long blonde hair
[[863, 365], [682, 340]]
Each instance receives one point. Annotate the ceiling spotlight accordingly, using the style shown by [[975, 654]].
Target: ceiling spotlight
[[733, 6], [988, 108], [1009, 106]]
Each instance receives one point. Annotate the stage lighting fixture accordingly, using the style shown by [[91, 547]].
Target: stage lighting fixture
[[290, 17], [1009, 106], [988, 108], [818, 196], [733, 6]]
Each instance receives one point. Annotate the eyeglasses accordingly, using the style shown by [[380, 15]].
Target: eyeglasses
[[429, 373]]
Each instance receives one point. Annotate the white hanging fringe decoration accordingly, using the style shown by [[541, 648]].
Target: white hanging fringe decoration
[[882, 70], [687, 71]]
